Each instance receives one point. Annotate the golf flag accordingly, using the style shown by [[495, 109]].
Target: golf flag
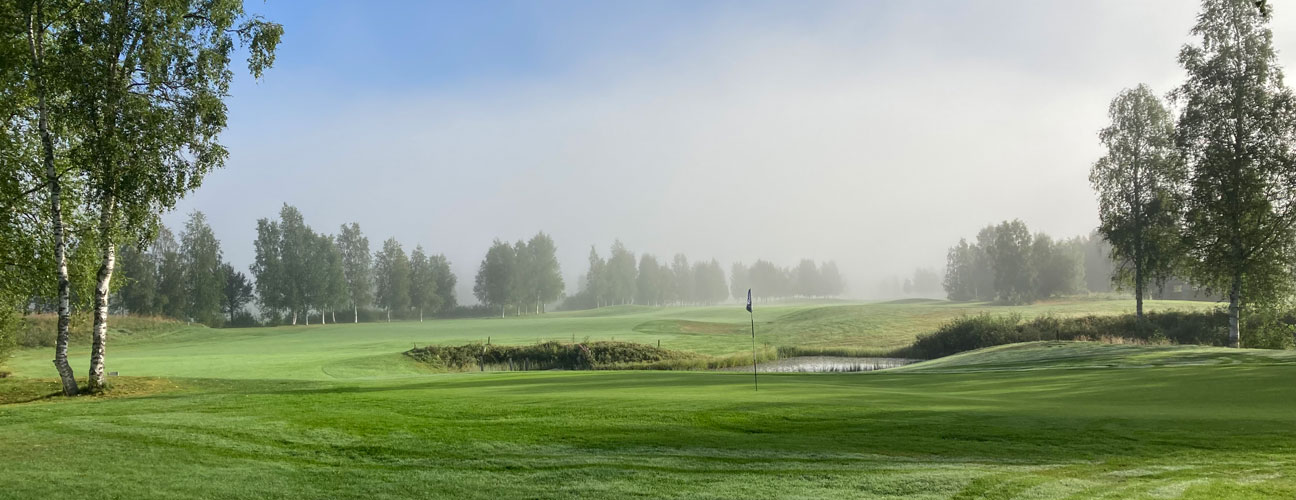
[[749, 300]]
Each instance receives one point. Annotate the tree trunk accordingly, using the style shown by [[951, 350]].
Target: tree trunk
[[307, 316], [502, 311], [103, 282], [333, 313], [389, 315], [322, 320], [36, 42], [355, 310], [1234, 310], [294, 317], [1139, 288], [420, 315]]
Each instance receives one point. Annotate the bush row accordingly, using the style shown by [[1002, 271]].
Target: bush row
[[1260, 330]]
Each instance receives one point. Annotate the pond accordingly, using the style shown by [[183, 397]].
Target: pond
[[826, 364]]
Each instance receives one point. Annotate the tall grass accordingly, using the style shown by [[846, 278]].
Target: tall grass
[[41, 330]]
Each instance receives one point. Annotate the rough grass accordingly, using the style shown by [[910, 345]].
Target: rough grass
[[338, 412], [986, 431], [41, 330]]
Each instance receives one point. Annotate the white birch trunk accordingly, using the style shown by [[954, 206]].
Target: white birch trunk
[[103, 281]]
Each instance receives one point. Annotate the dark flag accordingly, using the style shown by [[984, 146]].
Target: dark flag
[[753, 323]]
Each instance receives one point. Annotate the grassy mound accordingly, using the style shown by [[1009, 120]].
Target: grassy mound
[[41, 330], [1064, 354]]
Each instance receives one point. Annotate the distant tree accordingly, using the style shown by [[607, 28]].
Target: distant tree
[[683, 286], [328, 277], [445, 282], [1137, 183], [1058, 268], [983, 271], [139, 290], [1235, 131], [422, 285], [494, 283], [767, 280], [833, 283], [1099, 270], [1014, 277], [236, 293], [806, 278], [392, 277], [546, 283], [960, 279], [204, 281], [621, 274], [296, 248], [926, 281], [739, 281], [356, 267], [709, 283], [596, 278], [172, 295], [649, 286], [268, 269]]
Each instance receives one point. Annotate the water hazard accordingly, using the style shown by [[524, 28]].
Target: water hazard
[[826, 364]]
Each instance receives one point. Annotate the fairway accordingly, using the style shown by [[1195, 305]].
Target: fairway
[[352, 351], [336, 412]]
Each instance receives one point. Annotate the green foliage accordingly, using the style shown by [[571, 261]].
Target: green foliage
[[495, 277], [1139, 184], [357, 264], [236, 294], [392, 277], [204, 280], [1237, 135], [986, 330], [545, 356]]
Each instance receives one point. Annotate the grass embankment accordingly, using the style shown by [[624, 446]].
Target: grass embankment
[[987, 431], [41, 330]]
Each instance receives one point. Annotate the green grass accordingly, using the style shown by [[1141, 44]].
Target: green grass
[[336, 412]]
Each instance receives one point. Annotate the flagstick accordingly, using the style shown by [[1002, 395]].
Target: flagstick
[[753, 325]]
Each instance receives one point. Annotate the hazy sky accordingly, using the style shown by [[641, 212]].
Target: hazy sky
[[870, 133]]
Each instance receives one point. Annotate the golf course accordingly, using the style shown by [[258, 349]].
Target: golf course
[[338, 411]]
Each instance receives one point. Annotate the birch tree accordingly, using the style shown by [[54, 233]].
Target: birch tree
[[152, 79], [1236, 132], [357, 265], [1137, 182]]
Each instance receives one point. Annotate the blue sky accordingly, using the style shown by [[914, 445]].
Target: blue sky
[[870, 133]]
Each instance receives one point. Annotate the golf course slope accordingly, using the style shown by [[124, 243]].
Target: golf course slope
[[337, 412]]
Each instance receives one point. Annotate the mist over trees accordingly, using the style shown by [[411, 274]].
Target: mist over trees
[[649, 280], [1010, 265], [524, 275]]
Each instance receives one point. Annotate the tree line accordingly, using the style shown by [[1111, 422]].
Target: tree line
[[525, 275], [622, 279], [1207, 190], [109, 113], [299, 272], [1009, 264]]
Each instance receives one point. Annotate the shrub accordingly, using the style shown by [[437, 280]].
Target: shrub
[[984, 330], [577, 356]]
